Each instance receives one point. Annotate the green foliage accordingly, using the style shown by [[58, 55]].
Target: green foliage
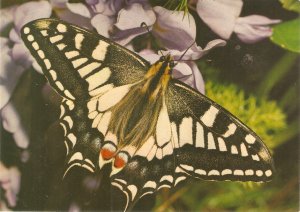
[[261, 115], [276, 73], [178, 5], [293, 5], [287, 35], [223, 196]]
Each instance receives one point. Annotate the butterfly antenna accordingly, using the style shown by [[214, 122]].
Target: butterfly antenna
[[143, 24], [186, 51]]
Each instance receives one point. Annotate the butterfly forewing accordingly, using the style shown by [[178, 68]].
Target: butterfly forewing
[[79, 63]]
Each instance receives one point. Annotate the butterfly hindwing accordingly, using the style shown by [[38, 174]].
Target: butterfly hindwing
[[149, 177], [79, 63], [81, 142]]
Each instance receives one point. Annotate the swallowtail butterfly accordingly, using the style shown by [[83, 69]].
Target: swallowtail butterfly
[[119, 110]]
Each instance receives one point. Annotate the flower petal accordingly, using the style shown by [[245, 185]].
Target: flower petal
[[174, 29], [28, 12], [21, 55], [195, 79], [6, 16], [14, 36], [129, 20], [253, 28], [21, 138], [198, 79], [58, 3], [195, 52], [9, 73], [149, 55], [103, 24], [11, 122], [109, 8], [257, 20], [133, 16], [36, 66], [123, 37], [220, 15], [79, 9], [10, 182], [182, 70], [199, 52], [66, 15]]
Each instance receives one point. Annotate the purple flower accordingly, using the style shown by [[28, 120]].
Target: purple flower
[[186, 69], [9, 72], [169, 27], [222, 17], [6, 17], [68, 12], [22, 15], [12, 123], [104, 15], [100, 14], [253, 28], [14, 61], [10, 183], [121, 21]]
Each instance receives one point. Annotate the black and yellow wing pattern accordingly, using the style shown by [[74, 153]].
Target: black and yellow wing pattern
[[158, 143]]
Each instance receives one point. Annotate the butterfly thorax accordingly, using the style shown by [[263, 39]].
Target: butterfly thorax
[[157, 78]]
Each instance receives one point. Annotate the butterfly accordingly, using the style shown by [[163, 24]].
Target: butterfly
[[121, 111]]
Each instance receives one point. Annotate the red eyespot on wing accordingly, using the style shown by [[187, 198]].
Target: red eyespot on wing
[[120, 160], [108, 151]]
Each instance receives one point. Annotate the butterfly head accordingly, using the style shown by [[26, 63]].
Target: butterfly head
[[168, 60]]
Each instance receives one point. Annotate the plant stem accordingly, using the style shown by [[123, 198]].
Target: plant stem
[[172, 199], [276, 73], [291, 132], [289, 96]]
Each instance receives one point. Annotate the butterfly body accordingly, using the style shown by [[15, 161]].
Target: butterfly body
[[142, 103], [153, 130]]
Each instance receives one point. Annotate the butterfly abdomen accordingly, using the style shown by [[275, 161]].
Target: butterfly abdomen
[[131, 117]]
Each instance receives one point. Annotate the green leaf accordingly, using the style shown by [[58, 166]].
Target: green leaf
[[293, 5], [287, 35]]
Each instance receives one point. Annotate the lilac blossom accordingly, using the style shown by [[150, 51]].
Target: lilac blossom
[[12, 123], [14, 61], [22, 15], [104, 15], [186, 69], [10, 183], [171, 28], [6, 17], [122, 24], [222, 17], [64, 11], [253, 28], [9, 72]]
